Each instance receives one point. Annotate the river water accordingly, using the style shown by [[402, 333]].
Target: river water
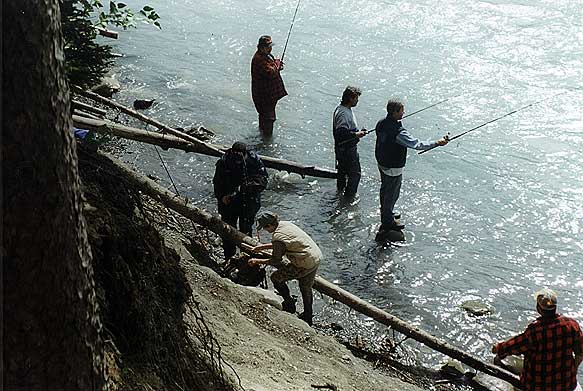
[[492, 216]]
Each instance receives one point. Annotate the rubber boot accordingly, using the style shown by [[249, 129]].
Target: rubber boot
[[306, 316], [289, 305]]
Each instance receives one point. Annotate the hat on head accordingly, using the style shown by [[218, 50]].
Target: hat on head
[[239, 146], [266, 218], [265, 41], [546, 298]]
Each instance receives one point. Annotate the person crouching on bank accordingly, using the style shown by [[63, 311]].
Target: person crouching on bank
[[296, 257]]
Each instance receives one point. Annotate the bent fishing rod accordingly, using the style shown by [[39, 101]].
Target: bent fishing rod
[[408, 115], [495, 119], [290, 29]]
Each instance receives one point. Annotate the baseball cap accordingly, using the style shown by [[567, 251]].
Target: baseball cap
[[546, 298], [266, 218], [239, 146], [265, 40]]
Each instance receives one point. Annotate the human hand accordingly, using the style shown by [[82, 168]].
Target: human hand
[[443, 141], [361, 134], [278, 64]]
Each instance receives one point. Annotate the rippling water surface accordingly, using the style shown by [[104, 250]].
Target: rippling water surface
[[492, 216]]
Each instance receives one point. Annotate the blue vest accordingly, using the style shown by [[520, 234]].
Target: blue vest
[[389, 154]]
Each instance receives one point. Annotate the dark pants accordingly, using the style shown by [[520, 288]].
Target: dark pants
[[244, 213], [305, 278], [390, 190], [348, 167], [267, 118]]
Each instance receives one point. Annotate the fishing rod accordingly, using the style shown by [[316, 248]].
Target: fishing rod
[[290, 29], [496, 119], [408, 115]]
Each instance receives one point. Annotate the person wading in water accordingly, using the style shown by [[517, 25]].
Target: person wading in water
[[346, 138], [267, 86], [239, 179], [391, 155]]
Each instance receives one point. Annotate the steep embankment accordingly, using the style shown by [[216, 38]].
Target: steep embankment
[[176, 325]]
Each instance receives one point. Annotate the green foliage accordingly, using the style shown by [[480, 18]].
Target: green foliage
[[86, 60]]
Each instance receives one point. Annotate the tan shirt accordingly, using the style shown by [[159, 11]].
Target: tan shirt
[[300, 249]]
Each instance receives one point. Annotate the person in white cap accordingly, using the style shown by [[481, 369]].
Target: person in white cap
[[552, 346], [296, 257]]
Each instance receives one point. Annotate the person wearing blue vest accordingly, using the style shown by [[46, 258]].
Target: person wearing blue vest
[[391, 154]]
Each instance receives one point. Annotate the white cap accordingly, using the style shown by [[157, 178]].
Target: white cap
[[546, 298]]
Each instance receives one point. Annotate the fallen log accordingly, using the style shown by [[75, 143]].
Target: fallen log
[[204, 148], [411, 331], [107, 33], [85, 107], [214, 223], [210, 150], [83, 114], [167, 141]]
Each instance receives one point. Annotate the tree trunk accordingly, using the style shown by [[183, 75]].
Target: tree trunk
[[52, 331]]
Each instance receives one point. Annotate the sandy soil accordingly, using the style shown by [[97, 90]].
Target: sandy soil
[[273, 350]]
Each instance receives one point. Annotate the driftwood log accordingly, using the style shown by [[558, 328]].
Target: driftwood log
[[167, 141], [84, 114], [210, 150], [202, 147], [214, 223], [107, 33], [85, 107]]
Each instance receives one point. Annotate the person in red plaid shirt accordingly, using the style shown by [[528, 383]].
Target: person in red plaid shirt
[[552, 346], [266, 84]]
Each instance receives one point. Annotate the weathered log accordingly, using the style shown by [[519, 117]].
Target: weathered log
[[206, 148], [214, 223], [411, 331], [167, 141], [107, 33], [210, 150], [85, 107], [82, 113]]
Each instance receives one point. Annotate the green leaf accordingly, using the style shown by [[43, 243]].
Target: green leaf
[[157, 24], [121, 5], [147, 8]]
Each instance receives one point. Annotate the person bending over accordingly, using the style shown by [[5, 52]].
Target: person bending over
[[296, 257]]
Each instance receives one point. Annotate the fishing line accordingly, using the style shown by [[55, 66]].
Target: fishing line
[[496, 119]]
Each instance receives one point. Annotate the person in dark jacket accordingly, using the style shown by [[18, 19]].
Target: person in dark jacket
[[391, 155], [346, 137], [240, 177], [267, 86]]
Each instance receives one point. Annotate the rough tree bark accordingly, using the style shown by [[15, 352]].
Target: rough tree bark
[[52, 331]]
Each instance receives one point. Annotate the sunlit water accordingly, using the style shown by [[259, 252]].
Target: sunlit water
[[492, 216]]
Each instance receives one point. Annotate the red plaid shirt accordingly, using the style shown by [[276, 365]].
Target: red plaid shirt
[[548, 345], [266, 82]]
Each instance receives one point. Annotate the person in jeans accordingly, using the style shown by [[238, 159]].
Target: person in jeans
[[392, 143], [296, 257]]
